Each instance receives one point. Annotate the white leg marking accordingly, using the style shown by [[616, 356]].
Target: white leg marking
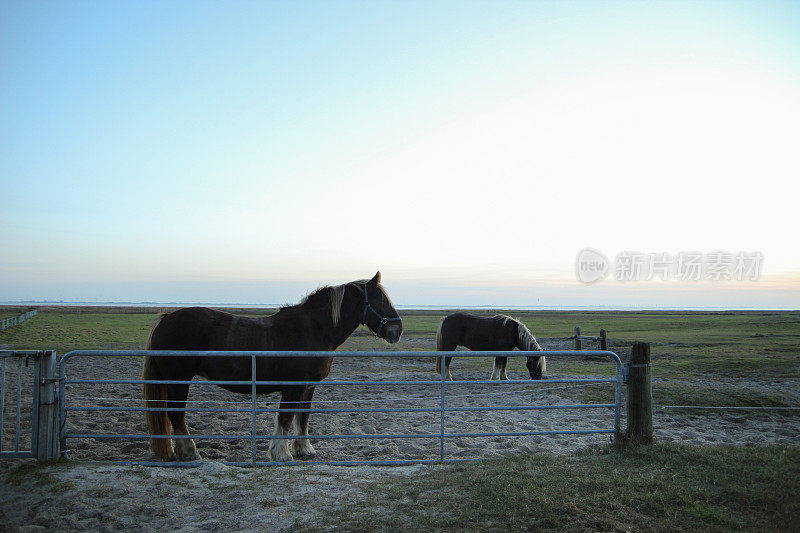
[[301, 447], [279, 448], [495, 372], [185, 449]]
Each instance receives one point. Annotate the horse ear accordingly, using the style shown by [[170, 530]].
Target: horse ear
[[376, 279]]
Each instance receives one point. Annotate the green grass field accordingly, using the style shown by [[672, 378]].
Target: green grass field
[[12, 311], [666, 487], [684, 344], [733, 344]]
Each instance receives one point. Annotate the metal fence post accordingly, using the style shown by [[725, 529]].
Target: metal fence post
[[45, 445], [2, 397], [62, 408], [253, 372], [441, 435]]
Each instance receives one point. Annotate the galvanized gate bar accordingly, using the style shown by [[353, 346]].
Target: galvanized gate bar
[[16, 452], [2, 398], [339, 353], [330, 382], [441, 442], [19, 404], [342, 436], [254, 409], [357, 410], [253, 392]]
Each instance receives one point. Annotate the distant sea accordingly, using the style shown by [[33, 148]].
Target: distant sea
[[405, 307]]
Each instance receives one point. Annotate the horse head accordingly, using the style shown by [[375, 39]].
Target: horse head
[[536, 364], [380, 315]]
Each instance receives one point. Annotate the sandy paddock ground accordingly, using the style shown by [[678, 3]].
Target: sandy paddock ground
[[214, 496]]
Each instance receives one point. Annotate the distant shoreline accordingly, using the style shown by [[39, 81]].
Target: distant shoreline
[[403, 307]]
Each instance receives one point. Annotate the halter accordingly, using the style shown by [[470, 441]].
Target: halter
[[384, 320]]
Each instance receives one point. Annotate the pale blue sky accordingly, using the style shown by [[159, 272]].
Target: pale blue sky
[[249, 151]]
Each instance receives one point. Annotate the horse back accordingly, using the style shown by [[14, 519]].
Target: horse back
[[201, 328], [479, 333]]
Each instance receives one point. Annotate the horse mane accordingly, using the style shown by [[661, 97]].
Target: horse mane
[[526, 339], [328, 295], [504, 318], [333, 295]]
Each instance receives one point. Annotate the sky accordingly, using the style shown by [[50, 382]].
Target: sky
[[248, 152]]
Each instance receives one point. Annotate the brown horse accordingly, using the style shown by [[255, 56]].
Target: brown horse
[[321, 322], [497, 333]]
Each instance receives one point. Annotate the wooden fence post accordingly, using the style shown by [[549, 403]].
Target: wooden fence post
[[47, 419], [640, 396], [603, 343], [577, 338]]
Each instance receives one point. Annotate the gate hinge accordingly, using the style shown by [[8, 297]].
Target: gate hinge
[[626, 370], [45, 381]]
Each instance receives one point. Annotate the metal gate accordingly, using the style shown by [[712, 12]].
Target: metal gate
[[29, 389], [440, 386]]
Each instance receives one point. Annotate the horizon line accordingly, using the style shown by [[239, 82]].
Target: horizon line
[[67, 303]]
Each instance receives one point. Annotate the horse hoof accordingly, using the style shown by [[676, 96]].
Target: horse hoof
[[304, 452], [187, 457], [306, 456], [281, 457], [280, 453]]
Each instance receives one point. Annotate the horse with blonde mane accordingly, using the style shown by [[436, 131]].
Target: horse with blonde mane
[[485, 334]]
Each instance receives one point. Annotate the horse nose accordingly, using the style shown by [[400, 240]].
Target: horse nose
[[393, 333]]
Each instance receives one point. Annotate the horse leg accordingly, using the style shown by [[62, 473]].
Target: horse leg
[[499, 371], [448, 375], [279, 448], [444, 344], [302, 448], [185, 449]]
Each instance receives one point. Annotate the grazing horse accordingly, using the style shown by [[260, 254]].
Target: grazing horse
[[497, 333], [321, 322]]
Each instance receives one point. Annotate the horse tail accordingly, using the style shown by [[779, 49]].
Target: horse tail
[[153, 326], [155, 395], [439, 345]]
